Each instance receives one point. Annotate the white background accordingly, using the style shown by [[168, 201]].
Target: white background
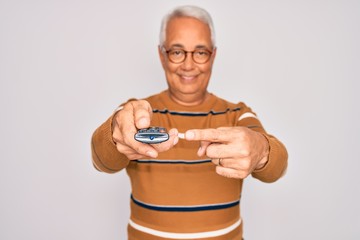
[[65, 65]]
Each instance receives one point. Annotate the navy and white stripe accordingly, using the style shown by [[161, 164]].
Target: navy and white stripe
[[192, 162], [196, 235], [211, 112], [247, 115], [192, 208], [195, 114]]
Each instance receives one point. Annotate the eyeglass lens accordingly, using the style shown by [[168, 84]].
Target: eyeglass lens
[[198, 56]]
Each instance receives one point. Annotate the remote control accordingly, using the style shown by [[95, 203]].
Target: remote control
[[152, 135]]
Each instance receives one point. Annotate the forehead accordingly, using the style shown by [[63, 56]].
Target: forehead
[[187, 32]]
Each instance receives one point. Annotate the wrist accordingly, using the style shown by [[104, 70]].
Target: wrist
[[113, 121], [264, 157]]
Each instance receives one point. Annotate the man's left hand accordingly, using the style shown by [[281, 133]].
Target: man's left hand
[[237, 151]]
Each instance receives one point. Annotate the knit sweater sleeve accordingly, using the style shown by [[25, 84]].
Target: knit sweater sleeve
[[277, 162], [105, 156], [276, 166]]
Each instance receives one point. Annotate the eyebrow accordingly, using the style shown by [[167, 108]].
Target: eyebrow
[[177, 45]]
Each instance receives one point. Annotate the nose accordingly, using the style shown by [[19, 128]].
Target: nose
[[189, 63]]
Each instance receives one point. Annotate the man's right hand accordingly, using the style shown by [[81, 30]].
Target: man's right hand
[[136, 115]]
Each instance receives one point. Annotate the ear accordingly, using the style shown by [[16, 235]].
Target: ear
[[162, 56], [213, 55]]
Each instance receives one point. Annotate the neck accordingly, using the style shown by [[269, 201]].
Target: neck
[[189, 99]]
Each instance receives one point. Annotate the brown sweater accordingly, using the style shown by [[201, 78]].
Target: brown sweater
[[179, 195]]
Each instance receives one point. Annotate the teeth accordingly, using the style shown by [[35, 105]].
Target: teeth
[[188, 76], [181, 135]]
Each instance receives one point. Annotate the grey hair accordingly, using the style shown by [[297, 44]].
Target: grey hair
[[187, 11]]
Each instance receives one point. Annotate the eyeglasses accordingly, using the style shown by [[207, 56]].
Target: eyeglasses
[[199, 56]]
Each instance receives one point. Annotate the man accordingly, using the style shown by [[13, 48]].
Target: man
[[187, 188]]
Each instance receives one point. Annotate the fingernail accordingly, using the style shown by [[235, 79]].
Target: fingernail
[[189, 135], [173, 132], [143, 122], [176, 140], [151, 154], [199, 152]]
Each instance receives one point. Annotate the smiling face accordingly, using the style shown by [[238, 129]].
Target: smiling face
[[187, 81]]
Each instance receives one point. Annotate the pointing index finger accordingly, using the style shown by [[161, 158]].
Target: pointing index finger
[[210, 135]]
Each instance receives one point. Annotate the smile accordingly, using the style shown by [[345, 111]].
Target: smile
[[188, 78]]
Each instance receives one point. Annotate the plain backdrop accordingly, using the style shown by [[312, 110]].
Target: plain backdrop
[[65, 66]]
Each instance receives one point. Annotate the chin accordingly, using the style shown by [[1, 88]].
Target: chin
[[189, 90]]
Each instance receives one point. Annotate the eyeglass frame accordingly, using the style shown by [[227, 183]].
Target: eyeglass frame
[[186, 54]]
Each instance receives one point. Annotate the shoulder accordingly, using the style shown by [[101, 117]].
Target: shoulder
[[154, 98], [223, 103], [157, 100]]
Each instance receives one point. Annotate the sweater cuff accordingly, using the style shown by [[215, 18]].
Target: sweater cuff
[[276, 164], [106, 157]]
